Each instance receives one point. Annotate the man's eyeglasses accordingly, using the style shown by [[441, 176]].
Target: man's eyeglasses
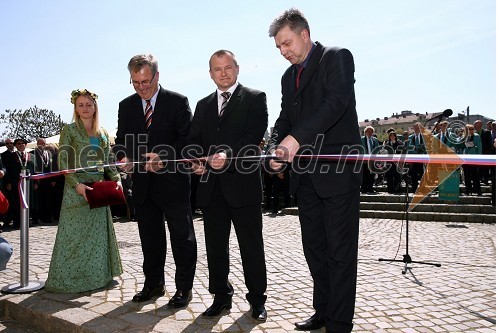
[[143, 83], [9, 143]]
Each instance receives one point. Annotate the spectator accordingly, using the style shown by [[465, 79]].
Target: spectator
[[369, 143], [42, 199], [280, 185], [20, 160], [472, 146], [393, 176], [416, 145], [5, 253], [487, 149], [57, 183]]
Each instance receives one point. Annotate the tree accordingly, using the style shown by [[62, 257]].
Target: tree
[[31, 124]]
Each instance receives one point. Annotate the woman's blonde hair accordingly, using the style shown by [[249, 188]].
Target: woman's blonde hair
[[93, 97]]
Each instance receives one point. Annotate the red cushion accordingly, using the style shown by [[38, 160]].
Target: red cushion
[[4, 204], [104, 193]]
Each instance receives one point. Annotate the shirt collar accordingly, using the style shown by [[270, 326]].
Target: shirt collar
[[306, 61], [152, 99], [230, 90]]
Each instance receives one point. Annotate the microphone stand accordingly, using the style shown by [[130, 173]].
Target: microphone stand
[[406, 257]]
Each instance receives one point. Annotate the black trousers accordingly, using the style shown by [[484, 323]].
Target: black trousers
[[151, 217], [330, 229], [416, 172], [247, 222], [472, 179], [368, 179]]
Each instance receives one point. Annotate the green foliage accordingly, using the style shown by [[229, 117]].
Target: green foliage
[[31, 124]]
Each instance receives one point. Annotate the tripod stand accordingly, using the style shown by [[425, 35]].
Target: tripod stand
[[406, 257]]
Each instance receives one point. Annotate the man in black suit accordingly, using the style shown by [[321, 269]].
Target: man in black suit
[[153, 125], [42, 198], [487, 144], [318, 114], [18, 161], [6, 157], [229, 123]]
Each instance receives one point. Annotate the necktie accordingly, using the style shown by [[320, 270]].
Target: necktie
[[297, 77], [148, 116], [226, 95], [23, 157], [369, 145]]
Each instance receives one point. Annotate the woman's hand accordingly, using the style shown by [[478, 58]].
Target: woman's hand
[[82, 190]]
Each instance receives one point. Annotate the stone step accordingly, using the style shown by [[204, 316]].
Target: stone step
[[430, 208], [431, 199], [430, 216], [418, 216]]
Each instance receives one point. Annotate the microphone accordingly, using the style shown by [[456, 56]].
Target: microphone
[[447, 113]]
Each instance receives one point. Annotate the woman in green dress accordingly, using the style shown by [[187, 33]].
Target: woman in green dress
[[85, 255]]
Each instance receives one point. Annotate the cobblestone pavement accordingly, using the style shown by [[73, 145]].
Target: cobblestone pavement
[[459, 296]]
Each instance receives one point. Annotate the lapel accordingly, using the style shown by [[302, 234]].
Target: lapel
[[233, 102], [308, 72], [156, 117]]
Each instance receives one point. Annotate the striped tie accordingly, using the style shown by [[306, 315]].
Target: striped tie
[[149, 114], [226, 95]]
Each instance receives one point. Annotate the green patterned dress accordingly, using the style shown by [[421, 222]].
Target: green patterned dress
[[85, 255]]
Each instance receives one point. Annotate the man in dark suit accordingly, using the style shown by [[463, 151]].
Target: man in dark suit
[[230, 123], [153, 125], [487, 142], [416, 145], [42, 198], [6, 157], [318, 110], [18, 161], [369, 143]]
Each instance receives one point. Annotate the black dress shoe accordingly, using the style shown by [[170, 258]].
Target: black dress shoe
[[313, 323], [216, 309], [259, 312], [180, 299], [147, 293]]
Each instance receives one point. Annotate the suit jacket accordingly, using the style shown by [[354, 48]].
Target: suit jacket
[[373, 143], [487, 143], [324, 104], [43, 160], [238, 133], [14, 166], [413, 147], [166, 137]]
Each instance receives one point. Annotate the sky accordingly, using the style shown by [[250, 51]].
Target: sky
[[418, 55]]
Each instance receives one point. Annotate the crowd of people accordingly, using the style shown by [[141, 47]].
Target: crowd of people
[[45, 194], [223, 177], [466, 139]]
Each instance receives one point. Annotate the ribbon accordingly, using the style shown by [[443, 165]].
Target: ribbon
[[452, 159]]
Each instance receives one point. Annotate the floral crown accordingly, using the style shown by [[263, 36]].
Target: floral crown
[[79, 92]]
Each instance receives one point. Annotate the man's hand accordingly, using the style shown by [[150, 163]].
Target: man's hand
[[153, 163], [285, 151], [126, 167], [217, 161], [198, 168], [287, 148]]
